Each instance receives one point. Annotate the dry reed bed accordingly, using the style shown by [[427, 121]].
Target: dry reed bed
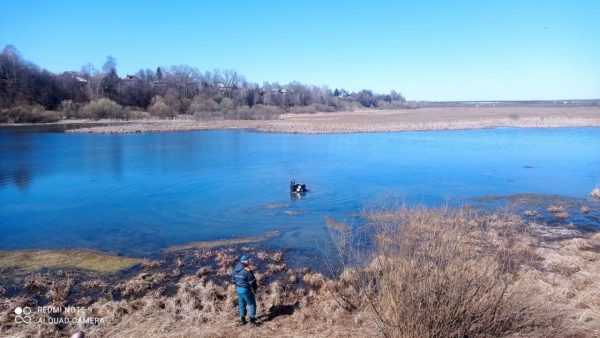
[[432, 273], [318, 127], [378, 121]]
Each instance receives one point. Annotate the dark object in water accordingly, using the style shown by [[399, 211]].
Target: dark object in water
[[297, 187]]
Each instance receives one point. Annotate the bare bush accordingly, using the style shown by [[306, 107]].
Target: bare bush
[[444, 273], [28, 114], [70, 109], [104, 109], [161, 109], [200, 106]]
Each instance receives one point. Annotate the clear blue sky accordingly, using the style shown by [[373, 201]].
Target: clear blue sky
[[428, 50]]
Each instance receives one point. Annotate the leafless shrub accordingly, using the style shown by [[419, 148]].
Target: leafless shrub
[[160, 108], [584, 209], [70, 109], [530, 213], [104, 109], [444, 273], [28, 114], [562, 215], [200, 106]]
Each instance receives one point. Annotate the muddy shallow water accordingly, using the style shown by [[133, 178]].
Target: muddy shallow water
[[140, 194]]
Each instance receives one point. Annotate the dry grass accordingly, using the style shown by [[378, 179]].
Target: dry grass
[[148, 264], [561, 215], [370, 120], [556, 209], [595, 192], [432, 273], [37, 282], [448, 273], [141, 284], [59, 292], [94, 284], [31, 260]]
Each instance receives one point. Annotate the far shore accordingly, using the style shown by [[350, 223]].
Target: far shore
[[367, 120]]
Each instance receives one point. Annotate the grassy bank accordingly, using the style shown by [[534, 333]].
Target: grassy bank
[[428, 273], [89, 260]]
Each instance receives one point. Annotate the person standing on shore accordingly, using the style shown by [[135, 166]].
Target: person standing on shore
[[246, 285]]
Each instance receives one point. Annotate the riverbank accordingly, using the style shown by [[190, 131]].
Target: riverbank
[[371, 120], [507, 276]]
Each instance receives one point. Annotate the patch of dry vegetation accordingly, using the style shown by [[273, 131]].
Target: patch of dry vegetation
[[90, 260], [595, 192], [555, 209], [450, 273], [375, 120]]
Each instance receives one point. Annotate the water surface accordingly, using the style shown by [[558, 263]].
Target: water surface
[[138, 194]]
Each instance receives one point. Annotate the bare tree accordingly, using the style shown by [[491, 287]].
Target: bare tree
[[110, 65]]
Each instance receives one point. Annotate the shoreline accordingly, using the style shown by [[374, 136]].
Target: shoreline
[[187, 292], [362, 121]]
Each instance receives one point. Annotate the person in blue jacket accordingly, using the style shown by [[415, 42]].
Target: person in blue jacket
[[245, 283]]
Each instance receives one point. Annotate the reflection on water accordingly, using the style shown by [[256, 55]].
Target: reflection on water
[[137, 194]]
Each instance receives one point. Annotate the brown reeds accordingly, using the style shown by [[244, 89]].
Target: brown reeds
[[447, 273]]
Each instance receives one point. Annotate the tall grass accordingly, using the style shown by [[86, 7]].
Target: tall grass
[[446, 273]]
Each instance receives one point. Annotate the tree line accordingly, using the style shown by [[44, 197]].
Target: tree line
[[29, 93]]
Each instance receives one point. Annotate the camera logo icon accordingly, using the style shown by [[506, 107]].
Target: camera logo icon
[[23, 315]]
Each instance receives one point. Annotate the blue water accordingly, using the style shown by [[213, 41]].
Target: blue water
[[137, 194]]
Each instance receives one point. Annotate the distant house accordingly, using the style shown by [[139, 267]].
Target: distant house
[[223, 89], [280, 90], [75, 75], [131, 79]]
